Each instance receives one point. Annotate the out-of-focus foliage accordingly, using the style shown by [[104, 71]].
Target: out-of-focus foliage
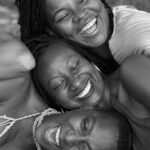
[[140, 4]]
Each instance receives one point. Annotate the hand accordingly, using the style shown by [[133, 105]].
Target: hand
[[9, 19]]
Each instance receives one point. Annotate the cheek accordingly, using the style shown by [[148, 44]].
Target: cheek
[[65, 29], [96, 5], [62, 96]]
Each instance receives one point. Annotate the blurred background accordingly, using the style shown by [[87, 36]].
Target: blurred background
[[140, 4]]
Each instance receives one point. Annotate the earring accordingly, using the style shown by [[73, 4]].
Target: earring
[[96, 67]]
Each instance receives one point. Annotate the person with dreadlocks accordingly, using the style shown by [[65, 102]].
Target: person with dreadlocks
[[20, 103], [104, 33]]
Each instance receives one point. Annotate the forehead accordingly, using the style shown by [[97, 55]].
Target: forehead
[[59, 51], [59, 2], [56, 56], [88, 112], [53, 4]]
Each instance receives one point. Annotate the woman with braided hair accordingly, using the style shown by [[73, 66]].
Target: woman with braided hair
[[107, 35]]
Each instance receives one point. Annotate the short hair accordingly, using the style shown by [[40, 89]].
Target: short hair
[[125, 139]]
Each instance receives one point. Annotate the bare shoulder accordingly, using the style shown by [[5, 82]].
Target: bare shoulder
[[138, 65]]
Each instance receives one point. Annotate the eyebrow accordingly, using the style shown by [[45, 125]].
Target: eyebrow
[[67, 63]]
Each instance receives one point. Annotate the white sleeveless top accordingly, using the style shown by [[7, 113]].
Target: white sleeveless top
[[131, 33]]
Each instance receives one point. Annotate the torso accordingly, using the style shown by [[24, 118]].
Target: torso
[[138, 116], [19, 99]]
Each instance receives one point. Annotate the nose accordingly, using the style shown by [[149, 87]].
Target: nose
[[80, 15], [75, 83], [74, 138]]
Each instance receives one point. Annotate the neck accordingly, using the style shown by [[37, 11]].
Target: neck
[[110, 92], [104, 51], [35, 102]]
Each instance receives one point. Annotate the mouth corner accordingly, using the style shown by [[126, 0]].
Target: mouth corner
[[85, 91]]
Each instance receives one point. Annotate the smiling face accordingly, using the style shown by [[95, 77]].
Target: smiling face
[[68, 77], [82, 21], [80, 130]]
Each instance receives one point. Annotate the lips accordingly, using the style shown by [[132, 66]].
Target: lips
[[52, 135], [89, 28], [85, 92]]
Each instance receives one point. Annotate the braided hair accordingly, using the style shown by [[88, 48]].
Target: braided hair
[[37, 46], [32, 18]]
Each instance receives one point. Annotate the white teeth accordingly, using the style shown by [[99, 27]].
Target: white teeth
[[89, 25], [57, 135], [53, 139], [85, 91]]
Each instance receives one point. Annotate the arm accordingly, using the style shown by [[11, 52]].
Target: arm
[[135, 77], [15, 58], [9, 17]]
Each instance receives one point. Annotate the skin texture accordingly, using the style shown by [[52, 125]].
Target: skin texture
[[69, 78], [70, 17], [80, 129]]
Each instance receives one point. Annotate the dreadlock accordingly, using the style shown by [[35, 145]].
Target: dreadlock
[[37, 45], [32, 18]]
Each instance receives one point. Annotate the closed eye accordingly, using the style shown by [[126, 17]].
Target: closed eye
[[87, 125], [84, 124], [61, 16], [76, 65], [81, 1], [59, 84], [56, 83]]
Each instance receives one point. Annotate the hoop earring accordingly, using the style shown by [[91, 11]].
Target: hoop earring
[[96, 67]]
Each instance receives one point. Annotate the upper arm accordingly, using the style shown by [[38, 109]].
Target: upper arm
[[15, 59], [135, 77]]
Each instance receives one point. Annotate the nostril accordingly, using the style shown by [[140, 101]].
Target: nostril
[[80, 15], [70, 139], [75, 85]]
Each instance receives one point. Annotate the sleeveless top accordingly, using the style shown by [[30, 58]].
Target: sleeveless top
[[131, 33]]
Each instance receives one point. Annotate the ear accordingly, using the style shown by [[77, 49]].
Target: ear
[[50, 32]]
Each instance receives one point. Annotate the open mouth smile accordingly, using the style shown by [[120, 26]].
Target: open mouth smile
[[53, 135], [89, 28], [85, 92]]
